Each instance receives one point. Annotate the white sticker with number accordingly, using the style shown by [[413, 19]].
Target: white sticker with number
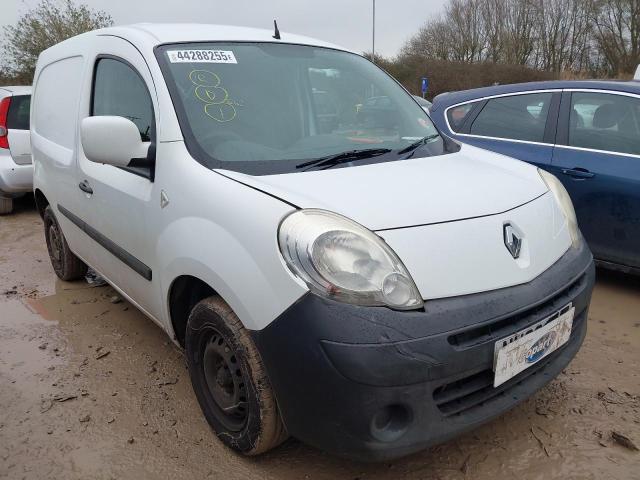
[[201, 56]]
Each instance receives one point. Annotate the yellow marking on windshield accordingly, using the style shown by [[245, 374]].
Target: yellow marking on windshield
[[208, 90]]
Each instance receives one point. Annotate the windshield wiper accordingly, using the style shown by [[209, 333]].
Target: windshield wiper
[[414, 146], [344, 157]]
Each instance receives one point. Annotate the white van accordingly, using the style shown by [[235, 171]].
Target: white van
[[337, 272], [16, 170]]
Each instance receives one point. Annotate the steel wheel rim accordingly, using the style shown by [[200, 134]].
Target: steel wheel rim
[[224, 381]]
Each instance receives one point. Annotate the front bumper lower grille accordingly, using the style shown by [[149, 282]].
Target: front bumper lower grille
[[472, 393]]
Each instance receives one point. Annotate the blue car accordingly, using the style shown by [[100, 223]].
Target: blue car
[[587, 133]]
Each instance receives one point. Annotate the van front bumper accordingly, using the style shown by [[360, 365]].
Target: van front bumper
[[14, 179], [370, 383]]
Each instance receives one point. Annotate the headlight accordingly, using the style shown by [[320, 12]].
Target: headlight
[[564, 201], [340, 259]]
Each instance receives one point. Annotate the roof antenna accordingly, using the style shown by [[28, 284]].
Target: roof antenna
[[276, 33]]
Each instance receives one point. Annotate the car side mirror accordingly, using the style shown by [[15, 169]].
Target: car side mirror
[[112, 140]]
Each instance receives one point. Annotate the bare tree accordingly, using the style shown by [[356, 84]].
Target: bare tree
[[595, 36], [617, 34], [464, 20], [564, 33], [50, 22], [520, 31], [432, 41], [492, 13]]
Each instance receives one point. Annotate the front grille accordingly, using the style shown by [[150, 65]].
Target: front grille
[[475, 391], [502, 327]]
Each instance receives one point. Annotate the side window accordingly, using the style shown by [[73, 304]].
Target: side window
[[18, 114], [517, 117], [603, 121], [119, 90], [457, 115]]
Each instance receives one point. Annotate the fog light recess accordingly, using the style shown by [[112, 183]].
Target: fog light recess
[[390, 423]]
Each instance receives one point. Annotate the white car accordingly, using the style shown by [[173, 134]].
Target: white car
[[368, 288], [16, 170]]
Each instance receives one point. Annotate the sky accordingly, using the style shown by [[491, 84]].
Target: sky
[[344, 22]]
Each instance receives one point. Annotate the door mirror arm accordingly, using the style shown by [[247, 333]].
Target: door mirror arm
[[146, 162]]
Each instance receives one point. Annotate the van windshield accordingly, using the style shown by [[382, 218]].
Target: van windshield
[[265, 108]]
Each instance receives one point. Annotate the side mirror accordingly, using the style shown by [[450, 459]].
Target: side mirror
[[111, 140]]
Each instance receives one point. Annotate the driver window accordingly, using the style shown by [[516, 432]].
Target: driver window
[[119, 90]]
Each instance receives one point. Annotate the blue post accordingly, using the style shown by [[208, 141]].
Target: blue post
[[425, 85]]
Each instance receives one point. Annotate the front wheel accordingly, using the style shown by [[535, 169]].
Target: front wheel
[[230, 381]]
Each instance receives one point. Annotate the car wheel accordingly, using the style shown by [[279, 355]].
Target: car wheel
[[66, 265], [230, 381], [6, 205]]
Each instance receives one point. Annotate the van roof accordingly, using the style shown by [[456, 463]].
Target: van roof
[[149, 35]]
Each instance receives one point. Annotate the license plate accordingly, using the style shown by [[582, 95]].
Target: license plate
[[519, 351]]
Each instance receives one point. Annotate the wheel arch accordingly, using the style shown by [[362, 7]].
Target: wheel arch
[[41, 201], [184, 293]]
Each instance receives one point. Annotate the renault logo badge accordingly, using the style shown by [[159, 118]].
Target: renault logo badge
[[512, 240]]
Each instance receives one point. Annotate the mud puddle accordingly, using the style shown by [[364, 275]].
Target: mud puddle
[[93, 389]]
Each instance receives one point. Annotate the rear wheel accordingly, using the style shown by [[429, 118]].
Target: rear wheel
[[6, 205], [230, 381], [66, 265]]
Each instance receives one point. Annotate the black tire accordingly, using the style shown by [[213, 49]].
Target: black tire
[[66, 265], [6, 205], [230, 381]]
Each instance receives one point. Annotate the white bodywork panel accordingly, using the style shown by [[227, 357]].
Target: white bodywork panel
[[122, 202], [20, 146], [224, 230], [470, 183], [14, 179], [54, 132], [469, 256], [226, 234]]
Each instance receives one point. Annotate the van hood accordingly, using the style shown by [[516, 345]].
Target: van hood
[[467, 184]]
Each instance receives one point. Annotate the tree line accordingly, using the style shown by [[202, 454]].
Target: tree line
[[588, 37], [472, 43]]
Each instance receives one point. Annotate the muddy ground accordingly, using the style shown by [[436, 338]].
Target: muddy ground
[[93, 389]]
